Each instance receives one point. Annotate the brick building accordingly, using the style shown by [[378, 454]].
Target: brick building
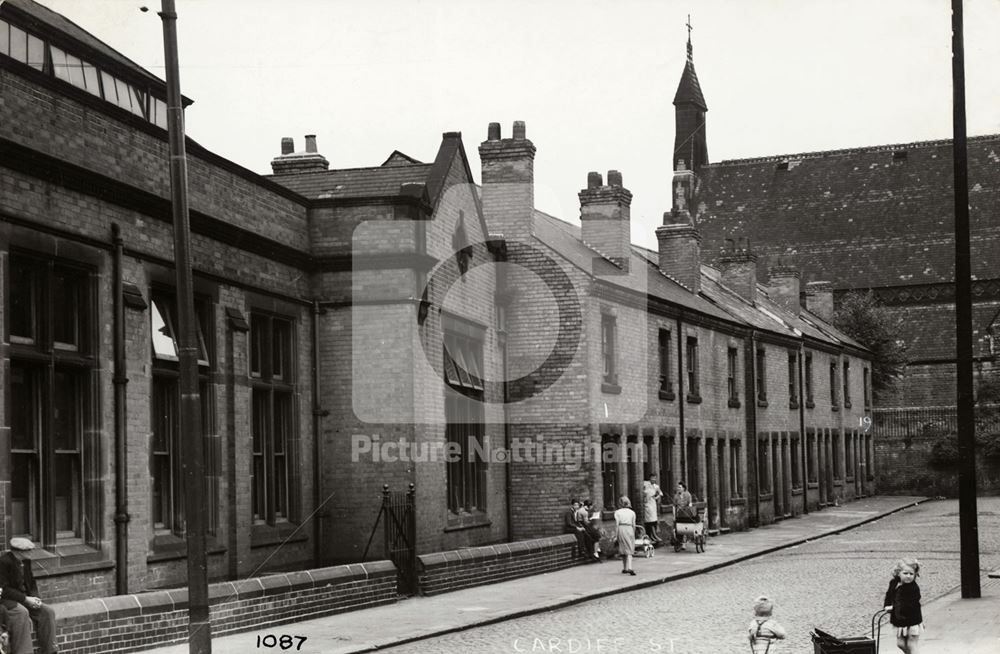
[[877, 218], [692, 372], [356, 326]]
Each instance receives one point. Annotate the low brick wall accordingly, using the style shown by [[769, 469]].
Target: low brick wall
[[443, 572], [125, 623]]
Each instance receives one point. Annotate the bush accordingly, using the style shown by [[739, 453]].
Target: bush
[[944, 451]]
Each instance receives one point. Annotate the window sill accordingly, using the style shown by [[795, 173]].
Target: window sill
[[667, 395], [67, 558], [762, 403], [765, 497], [467, 521], [797, 491], [734, 403], [693, 398], [834, 407], [793, 404], [810, 404], [170, 547], [611, 389], [812, 484], [737, 501], [838, 482], [847, 404], [849, 479], [264, 535]]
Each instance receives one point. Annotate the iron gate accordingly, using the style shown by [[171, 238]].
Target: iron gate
[[399, 531]]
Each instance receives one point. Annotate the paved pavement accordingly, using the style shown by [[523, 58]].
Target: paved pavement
[[967, 626]]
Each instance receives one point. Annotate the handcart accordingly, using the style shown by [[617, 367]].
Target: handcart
[[688, 525], [824, 643]]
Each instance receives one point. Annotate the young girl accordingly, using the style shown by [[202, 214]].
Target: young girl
[[764, 629], [903, 600]]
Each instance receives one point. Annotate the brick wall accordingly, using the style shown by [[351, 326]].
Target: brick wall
[[126, 623], [447, 571]]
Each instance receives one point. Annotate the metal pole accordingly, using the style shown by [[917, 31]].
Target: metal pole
[[192, 463], [968, 528]]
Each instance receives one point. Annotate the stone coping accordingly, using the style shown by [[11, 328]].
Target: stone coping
[[88, 611]]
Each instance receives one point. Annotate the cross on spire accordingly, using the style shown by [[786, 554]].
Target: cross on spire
[[690, 48]]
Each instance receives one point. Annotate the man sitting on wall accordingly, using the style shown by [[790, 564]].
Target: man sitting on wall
[[18, 594]]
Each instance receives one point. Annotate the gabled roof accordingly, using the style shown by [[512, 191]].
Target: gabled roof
[[860, 218], [378, 181], [42, 17], [689, 90]]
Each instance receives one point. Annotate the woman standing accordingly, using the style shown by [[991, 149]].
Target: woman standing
[[651, 493], [625, 521], [683, 510]]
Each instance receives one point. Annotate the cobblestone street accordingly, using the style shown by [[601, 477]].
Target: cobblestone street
[[834, 583]]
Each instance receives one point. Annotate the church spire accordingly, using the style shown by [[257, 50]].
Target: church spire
[[690, 146]]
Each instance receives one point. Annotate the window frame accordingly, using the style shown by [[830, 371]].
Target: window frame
[[52, 448], [666, 389], [692, 366], [609, 350], [760, 372], [466, 482], [732, 379], [793, 379], [273, 417]]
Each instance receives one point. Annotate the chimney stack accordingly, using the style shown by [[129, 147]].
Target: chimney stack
[[784, 288], [739, 269], [605, 218], [680, 249], [508, 192], [290, 162], [819, 299]]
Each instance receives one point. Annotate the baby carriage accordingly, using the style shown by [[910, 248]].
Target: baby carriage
[[643, 543], [688, 525]]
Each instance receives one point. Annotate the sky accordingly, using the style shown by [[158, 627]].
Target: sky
[[594, 81]]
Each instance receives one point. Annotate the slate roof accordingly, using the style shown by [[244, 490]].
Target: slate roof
[[46, 16], [860, 218], [714, 300], [689, 90], [929, 330], [377, 181]]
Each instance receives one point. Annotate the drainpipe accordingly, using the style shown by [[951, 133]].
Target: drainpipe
[[681, 436], [750, 378], [318, 414], [803, 472], [120, 381]]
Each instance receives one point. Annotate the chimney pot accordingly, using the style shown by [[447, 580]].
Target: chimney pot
[[287, 145], [614, 178], [311, 143], [519, 133], [493, 133], [594, 180]]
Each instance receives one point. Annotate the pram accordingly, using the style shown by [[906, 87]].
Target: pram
[[643, 543], [824, 643], [688, 524]]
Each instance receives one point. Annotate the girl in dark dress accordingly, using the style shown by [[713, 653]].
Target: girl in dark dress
[[903, 600]]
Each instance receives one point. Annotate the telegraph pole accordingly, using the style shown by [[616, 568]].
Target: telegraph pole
[[967, 514], [199, 627]]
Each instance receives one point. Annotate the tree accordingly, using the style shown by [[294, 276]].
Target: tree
[[862, 317]]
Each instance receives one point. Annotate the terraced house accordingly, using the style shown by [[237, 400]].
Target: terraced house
[[399, 324]]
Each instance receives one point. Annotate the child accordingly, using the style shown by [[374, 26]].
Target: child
[[903, 600], [764, 629]]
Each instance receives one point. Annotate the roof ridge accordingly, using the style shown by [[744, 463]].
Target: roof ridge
[[856, 150], [346, 170]]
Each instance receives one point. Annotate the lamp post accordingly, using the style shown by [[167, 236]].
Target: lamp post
[[967, 518], [192, 463]]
